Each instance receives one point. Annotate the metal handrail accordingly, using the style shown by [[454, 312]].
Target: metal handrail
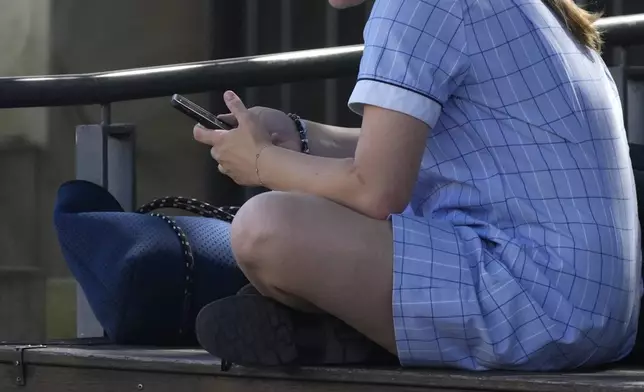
[[131, 84]]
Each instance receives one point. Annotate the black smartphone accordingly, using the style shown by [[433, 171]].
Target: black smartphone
[[197, 113]]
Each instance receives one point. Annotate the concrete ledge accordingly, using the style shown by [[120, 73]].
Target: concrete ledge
[[111, 368]]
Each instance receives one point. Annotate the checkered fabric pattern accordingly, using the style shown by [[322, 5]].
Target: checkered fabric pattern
[[520, 248]]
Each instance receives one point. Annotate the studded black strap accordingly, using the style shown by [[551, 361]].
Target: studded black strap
[[191, 205], [196, 207]]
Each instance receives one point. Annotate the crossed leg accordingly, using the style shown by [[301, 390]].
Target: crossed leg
[[310, 253]]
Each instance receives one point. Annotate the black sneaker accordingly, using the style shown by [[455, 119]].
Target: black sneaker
[[254, 330]]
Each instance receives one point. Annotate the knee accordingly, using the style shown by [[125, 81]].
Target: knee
[[258, 232]]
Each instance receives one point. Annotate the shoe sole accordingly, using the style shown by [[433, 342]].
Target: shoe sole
[[249, 289], [248, 330]]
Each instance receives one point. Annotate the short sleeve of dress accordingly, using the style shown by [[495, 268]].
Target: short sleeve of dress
[[415, 57]]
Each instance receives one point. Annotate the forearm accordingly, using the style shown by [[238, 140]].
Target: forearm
[[377, 181], [336, 179], [331, 141]]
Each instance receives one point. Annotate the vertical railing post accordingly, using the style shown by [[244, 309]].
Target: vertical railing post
[[331, 85], [105, 155], [286, 44], [635, 116], [620, 59]]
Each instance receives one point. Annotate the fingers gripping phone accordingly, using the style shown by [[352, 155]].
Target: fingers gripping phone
[[197, 113]]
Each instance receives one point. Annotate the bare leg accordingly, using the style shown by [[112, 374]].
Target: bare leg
[[308, 252]]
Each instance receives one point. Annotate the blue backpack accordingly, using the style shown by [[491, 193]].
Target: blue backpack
[[146, 275]]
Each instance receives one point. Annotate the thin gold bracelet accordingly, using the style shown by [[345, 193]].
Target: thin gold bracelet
[[257, 165]]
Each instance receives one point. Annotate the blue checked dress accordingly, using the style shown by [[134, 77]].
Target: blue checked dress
[[520, 247]]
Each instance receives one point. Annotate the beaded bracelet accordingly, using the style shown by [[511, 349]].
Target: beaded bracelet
[[301, 129]]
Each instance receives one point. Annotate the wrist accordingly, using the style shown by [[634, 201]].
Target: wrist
[[302, 130], [258, 156]]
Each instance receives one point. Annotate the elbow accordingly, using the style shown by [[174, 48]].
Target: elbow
[[380, 205], [376, 198]]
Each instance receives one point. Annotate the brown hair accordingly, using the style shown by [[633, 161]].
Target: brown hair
[[579, 21]]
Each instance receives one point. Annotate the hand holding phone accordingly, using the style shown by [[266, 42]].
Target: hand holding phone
[[197, 113]]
